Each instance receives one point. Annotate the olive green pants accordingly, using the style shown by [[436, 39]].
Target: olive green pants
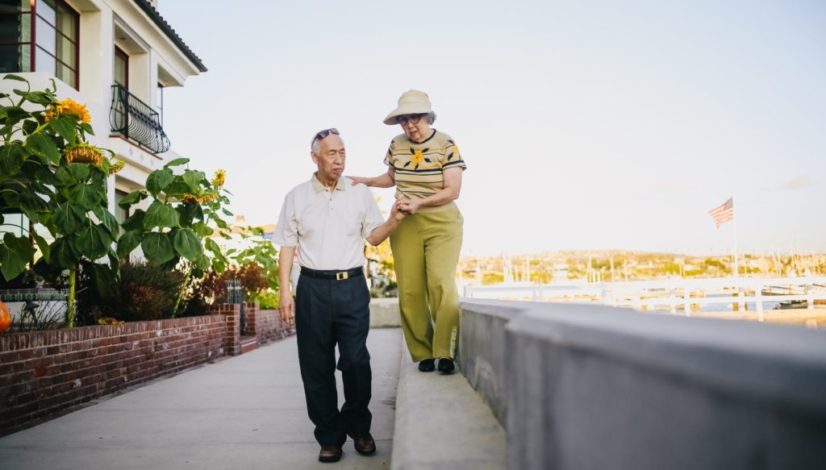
[[426, 249]]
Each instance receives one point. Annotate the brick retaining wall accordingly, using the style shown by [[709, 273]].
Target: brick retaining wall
[[45, 372], [269, 327]]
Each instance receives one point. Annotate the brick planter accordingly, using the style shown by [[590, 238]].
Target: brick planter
[[231, 313], [45, 372], [269, 327]]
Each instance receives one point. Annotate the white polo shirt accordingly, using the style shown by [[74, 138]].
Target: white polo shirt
[[328, 227]]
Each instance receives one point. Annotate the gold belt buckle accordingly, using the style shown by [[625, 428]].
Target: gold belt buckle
[[342, 276]]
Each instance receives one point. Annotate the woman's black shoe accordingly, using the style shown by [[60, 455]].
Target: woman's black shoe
[[446, 365], [427, 365]]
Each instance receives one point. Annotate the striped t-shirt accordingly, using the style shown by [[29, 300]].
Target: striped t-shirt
[[419, 166]]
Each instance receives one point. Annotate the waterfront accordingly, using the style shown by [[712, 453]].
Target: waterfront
[[810, 318], [761, 299]]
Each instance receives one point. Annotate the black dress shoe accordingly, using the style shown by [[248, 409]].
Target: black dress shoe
[[364, 443], [427, 365], [446, 365], [329, 453]]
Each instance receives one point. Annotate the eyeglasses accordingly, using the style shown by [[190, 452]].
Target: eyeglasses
[[412, 118], [321, 135]]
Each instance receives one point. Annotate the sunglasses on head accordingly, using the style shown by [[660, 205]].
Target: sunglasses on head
[[321, 135], [413, 118]]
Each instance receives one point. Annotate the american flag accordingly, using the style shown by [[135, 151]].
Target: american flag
[[723, 213]]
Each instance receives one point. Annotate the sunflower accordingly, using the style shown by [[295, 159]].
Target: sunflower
[[219, 177], [68, 107], [116, 167], [209, 197], [84, 153], [53, 111]]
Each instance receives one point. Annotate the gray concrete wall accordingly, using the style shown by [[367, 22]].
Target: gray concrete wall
[[481, 352], [384, 313], [592, 387]]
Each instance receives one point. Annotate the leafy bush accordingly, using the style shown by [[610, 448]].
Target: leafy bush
[[143, 292], [212, 288], [268, 299]]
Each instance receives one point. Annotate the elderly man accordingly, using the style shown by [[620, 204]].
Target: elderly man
[[327, 219]]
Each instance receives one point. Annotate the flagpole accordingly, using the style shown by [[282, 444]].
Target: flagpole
[[734, 214]]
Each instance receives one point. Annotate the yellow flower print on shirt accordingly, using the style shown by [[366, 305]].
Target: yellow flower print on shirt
[[417, 158], [453, 152]]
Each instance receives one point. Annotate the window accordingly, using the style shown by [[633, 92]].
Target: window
[[15, 36], [56, 38], [15, 223], [160, 102], [120, 76], [39, 35], [121, 72]]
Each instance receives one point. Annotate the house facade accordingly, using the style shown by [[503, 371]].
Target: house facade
[[116, 57]]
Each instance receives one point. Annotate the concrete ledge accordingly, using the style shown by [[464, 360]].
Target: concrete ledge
[[441, 423], [602, 387], [481, 353], [384, 313]]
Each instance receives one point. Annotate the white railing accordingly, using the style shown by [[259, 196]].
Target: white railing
[[669, 293]]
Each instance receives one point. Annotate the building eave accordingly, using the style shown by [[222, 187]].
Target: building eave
[[170, 33]]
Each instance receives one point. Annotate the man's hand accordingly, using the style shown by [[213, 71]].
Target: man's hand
[[396, 212], [287, 307], [409, 206]]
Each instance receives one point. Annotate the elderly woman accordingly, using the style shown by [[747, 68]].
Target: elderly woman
[[425, 166]]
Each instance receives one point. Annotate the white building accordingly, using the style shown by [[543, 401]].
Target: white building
[[114, 56]]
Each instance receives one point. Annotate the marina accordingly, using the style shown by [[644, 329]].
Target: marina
[[755, 296]]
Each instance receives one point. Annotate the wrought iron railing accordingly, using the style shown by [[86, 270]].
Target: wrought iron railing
[[136, 120], [235, 295]]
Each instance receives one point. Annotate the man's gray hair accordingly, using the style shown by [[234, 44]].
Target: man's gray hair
[[315, 147]]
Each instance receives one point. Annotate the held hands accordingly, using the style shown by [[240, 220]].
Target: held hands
[[408, 206], [396, 213], [287, 307]]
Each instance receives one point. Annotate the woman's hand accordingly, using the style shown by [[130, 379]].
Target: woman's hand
[[287, 307], [385, 180], [359, 180]]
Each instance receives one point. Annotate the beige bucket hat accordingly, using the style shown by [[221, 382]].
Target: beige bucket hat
[[411, 102]]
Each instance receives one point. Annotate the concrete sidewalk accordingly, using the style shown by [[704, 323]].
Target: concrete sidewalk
[[246, 412]]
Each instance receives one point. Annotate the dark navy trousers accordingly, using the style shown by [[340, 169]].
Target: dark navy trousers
[[330, 312]]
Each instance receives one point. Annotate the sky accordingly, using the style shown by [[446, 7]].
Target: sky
[[584, 125]]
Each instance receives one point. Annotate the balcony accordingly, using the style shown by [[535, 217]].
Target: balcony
[[136, 120]]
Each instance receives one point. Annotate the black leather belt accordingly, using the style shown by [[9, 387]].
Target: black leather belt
[[336, 275]]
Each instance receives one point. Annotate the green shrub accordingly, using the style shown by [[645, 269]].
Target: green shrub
[[267, 299], [142, 292]]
